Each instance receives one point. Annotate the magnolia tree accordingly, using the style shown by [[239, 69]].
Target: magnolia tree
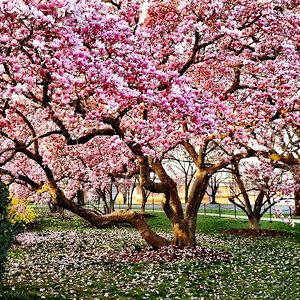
[[94, 89], [214, 184], [108, 194], [257, 186]]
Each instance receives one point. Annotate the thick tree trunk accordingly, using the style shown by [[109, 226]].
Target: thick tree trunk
[[196, 196], [171, 204], [128, 216], [183, 236], [253, 222], [297, 203]]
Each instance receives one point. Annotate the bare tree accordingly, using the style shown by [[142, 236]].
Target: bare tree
[[181, 164], [108, 195], [213, 186]]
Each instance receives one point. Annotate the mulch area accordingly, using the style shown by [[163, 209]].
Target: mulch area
[[168, 254], [196, 253], [256, 233]]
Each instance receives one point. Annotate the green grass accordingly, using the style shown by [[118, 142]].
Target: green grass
[[72, 264], [54, 224], [212, 224]]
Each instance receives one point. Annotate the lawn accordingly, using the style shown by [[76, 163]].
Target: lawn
[[70, 260]]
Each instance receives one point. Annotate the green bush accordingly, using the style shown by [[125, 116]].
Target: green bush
[[7, 229]]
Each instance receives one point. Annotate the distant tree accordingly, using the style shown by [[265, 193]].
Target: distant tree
[[296, 175], [183, 168], [257, 186], [286, 141], [213, 185], [108, 195]]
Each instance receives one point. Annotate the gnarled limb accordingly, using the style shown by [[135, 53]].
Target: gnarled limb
[[103, 221]]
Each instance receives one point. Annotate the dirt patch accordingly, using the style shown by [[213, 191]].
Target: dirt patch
[[169, 254], [256, 233]]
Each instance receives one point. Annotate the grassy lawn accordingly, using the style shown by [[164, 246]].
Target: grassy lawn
[[69, 260]]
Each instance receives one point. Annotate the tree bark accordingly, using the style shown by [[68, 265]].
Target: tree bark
[[186, 189], [80, 198], [171, 203], [253, 222], [183, 235], [103, 221], [144, 200], [213, 197], [195, 198], [297, 202]]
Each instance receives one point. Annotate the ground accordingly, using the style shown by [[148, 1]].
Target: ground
[[94, 264], [257, 233]]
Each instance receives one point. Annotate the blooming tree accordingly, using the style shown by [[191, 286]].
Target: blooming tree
[[90, 89], [257, 186]]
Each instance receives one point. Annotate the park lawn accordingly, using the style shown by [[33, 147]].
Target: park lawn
[[66, 263]]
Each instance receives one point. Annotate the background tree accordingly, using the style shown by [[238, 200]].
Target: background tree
[[179, 163], [213, 185], [257, 186]]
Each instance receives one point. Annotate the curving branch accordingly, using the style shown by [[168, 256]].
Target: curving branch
[[190, 150], [32, 130], [236, 81], [22, 178], [145, 180]]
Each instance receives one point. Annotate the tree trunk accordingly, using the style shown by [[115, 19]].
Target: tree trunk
[[171, 204], [186, 190], [297, 203], [130, 203], [80, 198], [196, 196], [144, 200], [183, 235], [253, 222], [213, 197], [105, 205], [54, 208], [104, 221], [125, 197], [111, 205]]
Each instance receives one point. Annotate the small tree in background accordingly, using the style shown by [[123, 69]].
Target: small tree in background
[[183, 167], [213, 186], [261, 181]]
